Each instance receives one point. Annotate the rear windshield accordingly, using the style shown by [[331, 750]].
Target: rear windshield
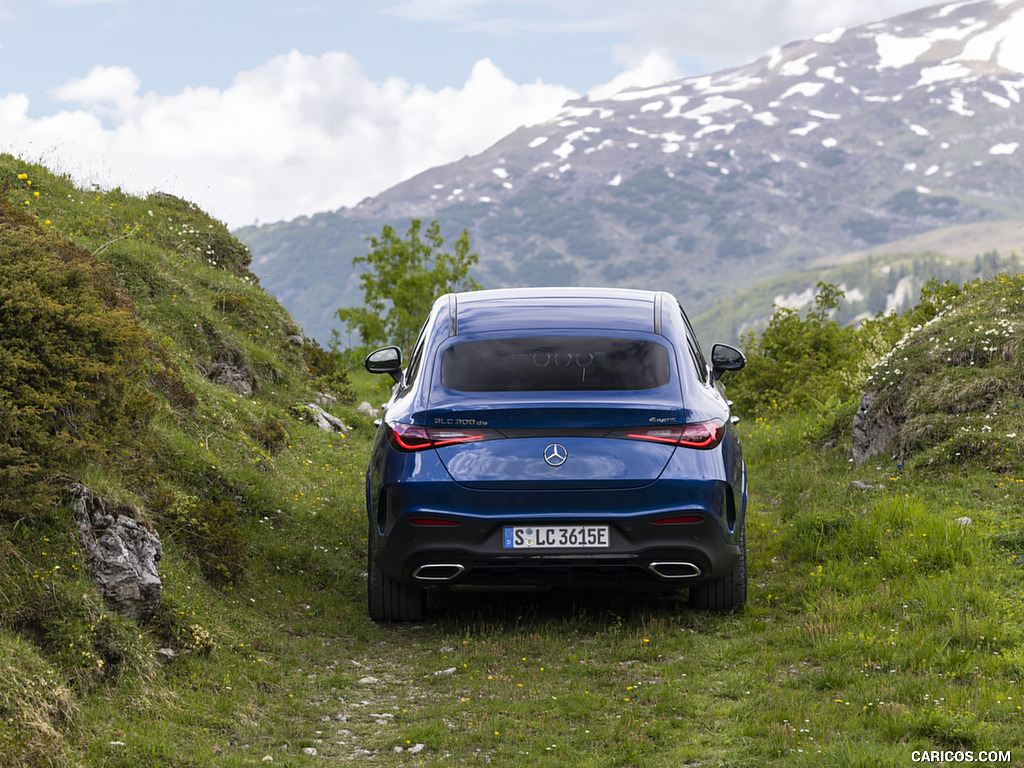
[[554, 364]]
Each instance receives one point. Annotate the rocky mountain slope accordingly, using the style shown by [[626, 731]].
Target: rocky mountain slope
[[706, 185]]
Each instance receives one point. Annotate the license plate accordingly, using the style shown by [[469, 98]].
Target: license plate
[[556, 536]]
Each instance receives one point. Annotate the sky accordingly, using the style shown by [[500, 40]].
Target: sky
[[266, 110]]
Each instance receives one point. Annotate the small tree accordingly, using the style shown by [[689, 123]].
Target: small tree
[[798, 360], [401, 280]]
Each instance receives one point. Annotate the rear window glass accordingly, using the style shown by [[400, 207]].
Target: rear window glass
[[554, 364]]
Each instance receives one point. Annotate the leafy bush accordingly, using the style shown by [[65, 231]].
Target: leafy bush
[[72, 363], [271, 434], [328, 367], [209, 530], [799, 360]]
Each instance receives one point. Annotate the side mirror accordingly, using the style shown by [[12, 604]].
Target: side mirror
[[385, 360], [725, 358]]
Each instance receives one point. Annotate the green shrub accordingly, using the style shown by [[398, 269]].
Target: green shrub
[[328, 367], [72, 362], [798, 361], [271, 434], [954, 382], [208, 530]]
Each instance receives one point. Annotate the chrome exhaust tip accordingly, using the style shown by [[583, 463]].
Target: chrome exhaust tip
[[675, 570], [438, 573]]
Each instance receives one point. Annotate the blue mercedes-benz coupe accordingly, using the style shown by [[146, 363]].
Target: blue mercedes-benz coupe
[[555, 436]]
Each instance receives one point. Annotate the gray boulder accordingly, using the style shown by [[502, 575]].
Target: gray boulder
[[232, 375], [326, 421], [873, 429], [122, 555], [325, 399], [367, 410]]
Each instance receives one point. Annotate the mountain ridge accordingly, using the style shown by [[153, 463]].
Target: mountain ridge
[[705, 185]]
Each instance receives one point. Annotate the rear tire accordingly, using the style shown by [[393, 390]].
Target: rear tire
[[390, 600], [725, 593]]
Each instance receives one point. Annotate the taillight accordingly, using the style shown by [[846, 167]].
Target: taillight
[[406, 437], [409, 437], [701, 434], [668, 435]]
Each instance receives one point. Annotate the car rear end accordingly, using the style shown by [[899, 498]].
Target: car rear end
[[563, 458]]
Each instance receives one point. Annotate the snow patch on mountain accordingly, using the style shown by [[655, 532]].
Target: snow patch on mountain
[[1004, 149], [808, 89], [797, 67], [805, 129], [713, 105], [829, 73], [677, 102], [646, 93], [828, 38], [897, 52], [1001, 44]]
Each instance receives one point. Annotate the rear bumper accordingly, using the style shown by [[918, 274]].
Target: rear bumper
[[407, 489], [640, 553]]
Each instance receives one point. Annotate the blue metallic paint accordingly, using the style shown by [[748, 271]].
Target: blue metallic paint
[[624, 483]]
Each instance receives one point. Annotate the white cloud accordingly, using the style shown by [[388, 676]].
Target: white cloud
[[103, 86], [653, 69], [297, 135], [708, 30]]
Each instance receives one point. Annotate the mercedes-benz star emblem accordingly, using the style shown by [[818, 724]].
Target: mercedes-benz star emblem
[[555, 455]]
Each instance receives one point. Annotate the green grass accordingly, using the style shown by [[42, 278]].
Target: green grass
[[877, 624]]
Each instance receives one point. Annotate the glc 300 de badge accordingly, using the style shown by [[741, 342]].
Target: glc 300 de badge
[[555, 455]]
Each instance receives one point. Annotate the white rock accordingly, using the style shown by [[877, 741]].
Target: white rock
[[367, 409], [326, 421]]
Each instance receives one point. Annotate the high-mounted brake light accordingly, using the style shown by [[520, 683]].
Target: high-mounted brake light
[[701, 434], [408, 437]]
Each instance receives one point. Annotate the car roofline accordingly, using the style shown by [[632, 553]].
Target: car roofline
[[521, 298]]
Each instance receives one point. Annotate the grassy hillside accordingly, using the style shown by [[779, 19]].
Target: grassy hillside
[[878, 622]]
